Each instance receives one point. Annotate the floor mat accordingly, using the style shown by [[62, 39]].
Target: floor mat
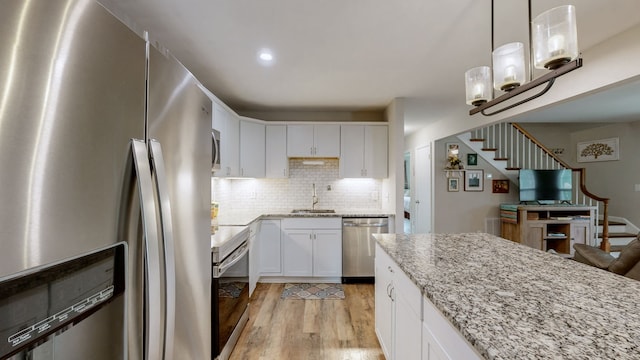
[[305, 291]]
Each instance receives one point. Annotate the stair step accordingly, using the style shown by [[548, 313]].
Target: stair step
[[619, 235], [477, 140], [501, 159], [512, 168], [611, 222], [489, 149], [616, 248]]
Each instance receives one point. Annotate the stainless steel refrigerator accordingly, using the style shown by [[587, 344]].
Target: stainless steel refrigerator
[[105, 155]]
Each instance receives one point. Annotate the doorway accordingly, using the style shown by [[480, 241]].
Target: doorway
[[422, 204]]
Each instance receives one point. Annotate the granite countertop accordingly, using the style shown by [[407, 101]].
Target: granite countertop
[[514, 302], [246, 217]]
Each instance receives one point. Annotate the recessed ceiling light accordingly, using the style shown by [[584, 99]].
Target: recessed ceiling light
[[265, 57]]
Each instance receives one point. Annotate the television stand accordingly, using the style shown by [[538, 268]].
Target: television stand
[[537, 202], [547, 227]]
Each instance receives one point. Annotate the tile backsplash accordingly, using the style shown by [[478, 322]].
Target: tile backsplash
[[296, 191]]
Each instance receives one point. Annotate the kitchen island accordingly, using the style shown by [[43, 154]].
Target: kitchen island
[[510, 301]]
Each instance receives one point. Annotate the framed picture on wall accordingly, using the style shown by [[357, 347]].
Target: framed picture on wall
[[472, 159], [453, 150], [474, 180], [453, 184], [500, 186]]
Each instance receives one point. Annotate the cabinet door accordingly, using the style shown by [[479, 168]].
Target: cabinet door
[[276, 163], [535, 236], [270, 248], [352, 151], [298, 252], [376, 150], [254, 256], [326, 141], [327, 253], [408, 328], [383, 304], [299, 140], [580, 234], [431, 349], [229, 127], [252, 149]]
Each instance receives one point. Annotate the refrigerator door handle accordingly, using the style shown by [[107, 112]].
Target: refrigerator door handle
[[157, 161], [153, 338]]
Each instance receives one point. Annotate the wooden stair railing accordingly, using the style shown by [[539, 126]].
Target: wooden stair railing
[[604, 245]]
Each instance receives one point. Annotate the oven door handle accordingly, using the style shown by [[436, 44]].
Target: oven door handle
[[224, 266]]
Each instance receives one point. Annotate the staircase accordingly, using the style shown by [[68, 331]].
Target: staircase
[[621, 232], [509, 148]]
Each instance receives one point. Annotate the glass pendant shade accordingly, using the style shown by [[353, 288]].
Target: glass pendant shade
[[555, 37], [508, 66], [478, 85]]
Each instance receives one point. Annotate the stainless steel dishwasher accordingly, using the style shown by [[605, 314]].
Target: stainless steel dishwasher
[[358, 248]]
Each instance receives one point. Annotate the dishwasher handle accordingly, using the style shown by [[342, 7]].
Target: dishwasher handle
[[353, 224]]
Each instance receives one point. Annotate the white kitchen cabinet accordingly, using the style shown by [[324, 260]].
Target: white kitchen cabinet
[[312, 247], [229, 126], [298, 252], [254, 258], [363, 151], [440, 340], [252, 149], [270, 248], [327, 253], [277, 163], [398, 310], [384, 307], [313, 140]]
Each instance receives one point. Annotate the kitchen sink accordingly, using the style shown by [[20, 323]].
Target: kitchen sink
[[312, 211]]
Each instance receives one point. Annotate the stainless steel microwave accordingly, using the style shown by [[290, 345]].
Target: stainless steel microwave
[[215, 151]]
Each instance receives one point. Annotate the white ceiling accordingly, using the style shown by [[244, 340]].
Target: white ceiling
[[337, 55]]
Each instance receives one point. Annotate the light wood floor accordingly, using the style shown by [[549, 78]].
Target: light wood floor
[[310, 329]]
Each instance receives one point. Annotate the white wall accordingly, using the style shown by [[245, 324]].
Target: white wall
[[393, 187], [465, 211]]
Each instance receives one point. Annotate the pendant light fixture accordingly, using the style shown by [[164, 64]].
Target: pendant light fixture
[[553, 45]]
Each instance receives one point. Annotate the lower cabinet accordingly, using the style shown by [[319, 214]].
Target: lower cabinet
[[270, 248], [398, 310], [440, 340], [254, 257], [312, 247], [408, 325]]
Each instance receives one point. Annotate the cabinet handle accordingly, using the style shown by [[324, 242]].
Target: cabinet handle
[[393, 298], [388, 291]]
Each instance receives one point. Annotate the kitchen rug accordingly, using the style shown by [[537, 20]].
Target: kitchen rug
[[231, 289], [306, 291]]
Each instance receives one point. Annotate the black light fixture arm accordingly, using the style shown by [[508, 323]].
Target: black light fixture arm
[[548, 78], [546, 88]]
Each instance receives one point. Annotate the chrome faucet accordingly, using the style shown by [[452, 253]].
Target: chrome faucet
[[314, 198]]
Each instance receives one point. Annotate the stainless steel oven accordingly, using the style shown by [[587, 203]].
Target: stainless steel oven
[[230, 288]]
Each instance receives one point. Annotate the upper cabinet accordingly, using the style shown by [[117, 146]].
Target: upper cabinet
[[229, 126], [364, 151], [277, 163], [252, 146], [313, 141]]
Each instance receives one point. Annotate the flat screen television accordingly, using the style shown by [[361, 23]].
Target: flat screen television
[[545, 186]]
